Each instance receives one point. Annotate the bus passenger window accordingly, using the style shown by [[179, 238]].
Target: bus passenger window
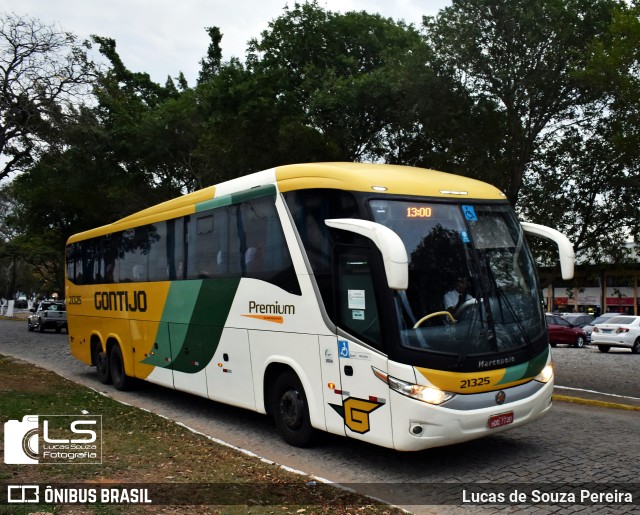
[[73, 261], [261, 245], [202, 245], [135, 248], [158, 258]]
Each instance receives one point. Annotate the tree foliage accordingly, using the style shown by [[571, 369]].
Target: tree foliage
[[42, 72], [523, 58], [540, 98], [337, 73]]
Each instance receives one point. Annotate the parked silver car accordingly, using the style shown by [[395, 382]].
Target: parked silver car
[[579, 319]]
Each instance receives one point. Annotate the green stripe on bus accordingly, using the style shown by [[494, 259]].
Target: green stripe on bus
[[236, 198], [525, 370], [538, 363], [193, 318], [202, 335]]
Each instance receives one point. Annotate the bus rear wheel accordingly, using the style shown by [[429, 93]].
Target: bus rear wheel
[[101, 361], [116, 364], [290, 410]]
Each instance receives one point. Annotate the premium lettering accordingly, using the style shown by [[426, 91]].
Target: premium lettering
[[272, 309], [121, 300]]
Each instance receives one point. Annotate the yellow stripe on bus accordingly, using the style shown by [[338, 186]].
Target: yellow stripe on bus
[[468, 382]]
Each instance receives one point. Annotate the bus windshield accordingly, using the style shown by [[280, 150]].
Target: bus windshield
[[472, 288]]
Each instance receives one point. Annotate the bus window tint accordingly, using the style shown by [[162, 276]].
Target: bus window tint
[[357, 306], [202, 245], [135, 250], [309, 209], [157, 261], [262, 247], [73, 261], [241, 240]]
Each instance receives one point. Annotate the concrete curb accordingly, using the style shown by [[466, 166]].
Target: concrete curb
[[594, 402]]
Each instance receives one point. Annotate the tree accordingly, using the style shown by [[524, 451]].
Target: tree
[[589, 179], [336, 74], [590, 191], [524, 57], [210, 65], [438, 124], [42, 71], [128, 111]]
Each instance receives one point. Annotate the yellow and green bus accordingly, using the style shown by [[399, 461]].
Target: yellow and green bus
[[317, 293]]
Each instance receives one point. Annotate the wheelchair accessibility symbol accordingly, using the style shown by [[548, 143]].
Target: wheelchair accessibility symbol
[[343, 349], [469, 213]]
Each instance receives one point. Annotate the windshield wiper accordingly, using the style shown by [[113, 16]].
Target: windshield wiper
[[521, 328]]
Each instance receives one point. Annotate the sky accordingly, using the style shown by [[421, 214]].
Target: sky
[[166, 37]]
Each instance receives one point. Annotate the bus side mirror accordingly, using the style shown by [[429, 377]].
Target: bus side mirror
[[565, 247], [394, 253]]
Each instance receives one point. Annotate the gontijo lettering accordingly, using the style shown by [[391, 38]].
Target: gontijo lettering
[[121, 300]]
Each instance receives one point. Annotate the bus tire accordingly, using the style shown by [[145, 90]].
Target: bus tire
[[116, 364], [101, 359], [604, 348], [291, 411]]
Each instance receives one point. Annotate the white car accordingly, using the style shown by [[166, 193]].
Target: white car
[[620, 331], [48, 315], [588, 329]]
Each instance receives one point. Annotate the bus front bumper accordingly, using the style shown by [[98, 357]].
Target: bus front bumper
[[421, 426]]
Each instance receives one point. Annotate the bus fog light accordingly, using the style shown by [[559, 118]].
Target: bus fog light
[[546, 374], [416, 429]]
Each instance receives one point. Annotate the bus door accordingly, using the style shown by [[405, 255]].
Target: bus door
[[365, 398]]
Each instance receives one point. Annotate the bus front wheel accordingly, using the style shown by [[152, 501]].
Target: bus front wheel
[[290, 410], [120, 379]]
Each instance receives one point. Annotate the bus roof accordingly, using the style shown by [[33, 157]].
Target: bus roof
[[365, 177], [396, 179]]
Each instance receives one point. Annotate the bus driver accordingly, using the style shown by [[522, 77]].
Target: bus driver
[[457, 296]]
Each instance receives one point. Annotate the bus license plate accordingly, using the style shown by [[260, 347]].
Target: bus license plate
[[503, 419]]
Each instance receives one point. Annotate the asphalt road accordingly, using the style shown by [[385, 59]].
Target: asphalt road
[[575, 447]]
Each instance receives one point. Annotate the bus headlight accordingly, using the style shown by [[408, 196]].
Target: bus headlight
[[427, 394], [545, 375]]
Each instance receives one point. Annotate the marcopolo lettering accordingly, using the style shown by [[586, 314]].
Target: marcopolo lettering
[[121, 300], [272, 309]]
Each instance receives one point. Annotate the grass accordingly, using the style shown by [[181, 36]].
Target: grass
[[143, 449]]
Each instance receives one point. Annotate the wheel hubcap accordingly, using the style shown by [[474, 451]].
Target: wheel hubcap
[[291, 408], [101, 363]]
